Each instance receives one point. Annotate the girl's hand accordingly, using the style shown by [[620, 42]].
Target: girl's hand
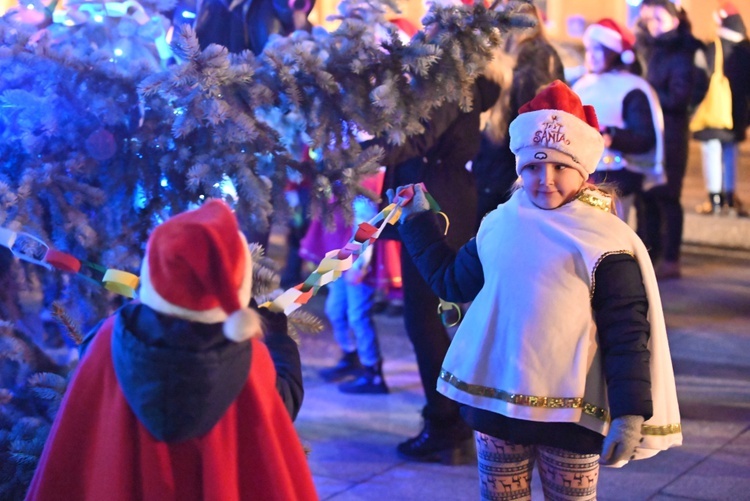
[[417, 204]]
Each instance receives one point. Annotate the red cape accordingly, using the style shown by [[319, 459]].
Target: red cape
[[98, 449]]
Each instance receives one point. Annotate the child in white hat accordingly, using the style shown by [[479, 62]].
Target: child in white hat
[[177, 397], [562, 358]]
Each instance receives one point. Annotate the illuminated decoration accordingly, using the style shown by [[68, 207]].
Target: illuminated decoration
[[150, 27]]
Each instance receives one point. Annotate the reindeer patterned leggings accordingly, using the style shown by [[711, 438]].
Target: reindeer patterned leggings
[[505, 471]]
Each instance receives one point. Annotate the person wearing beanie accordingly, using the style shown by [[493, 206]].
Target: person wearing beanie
[[187, 393], [670, 59], [630, 117], [562, 358], [719, 146]]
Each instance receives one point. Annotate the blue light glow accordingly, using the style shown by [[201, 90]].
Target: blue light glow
[[98, 19], [188, 15], [118, 52]]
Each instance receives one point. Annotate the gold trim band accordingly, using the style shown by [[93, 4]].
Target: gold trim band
[[526, 400], [667, 429], [550, 403]]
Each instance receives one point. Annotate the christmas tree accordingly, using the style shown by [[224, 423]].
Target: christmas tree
[[101, 138]]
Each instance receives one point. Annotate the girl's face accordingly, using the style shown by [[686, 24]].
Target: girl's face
[[658, 20], [549, 185], [596, 58]]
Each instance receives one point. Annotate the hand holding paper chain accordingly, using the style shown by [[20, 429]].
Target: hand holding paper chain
[[337, 261]]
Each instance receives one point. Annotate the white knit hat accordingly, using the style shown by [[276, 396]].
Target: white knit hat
[[198, 267], [556, 127]]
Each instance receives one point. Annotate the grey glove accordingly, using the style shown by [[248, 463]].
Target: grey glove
[[621, 441], [417, 204]]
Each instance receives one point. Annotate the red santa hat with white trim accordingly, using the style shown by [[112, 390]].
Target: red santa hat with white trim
[[611, 35], [198, 267], [555, 127], [406, 29]]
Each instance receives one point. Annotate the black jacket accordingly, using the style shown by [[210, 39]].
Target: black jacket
[[737, 71], [247, 26], [438, 157], [620, 309], [679, 83], [639, 135], [180, 377]]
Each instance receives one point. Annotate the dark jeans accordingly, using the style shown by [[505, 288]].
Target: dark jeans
[[429, 338], [661, 217]]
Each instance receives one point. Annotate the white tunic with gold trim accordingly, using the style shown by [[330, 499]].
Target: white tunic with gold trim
[[606, 92], [528, 347]]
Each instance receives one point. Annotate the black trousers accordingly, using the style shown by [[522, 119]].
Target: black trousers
[[429, 338], [662, 220]]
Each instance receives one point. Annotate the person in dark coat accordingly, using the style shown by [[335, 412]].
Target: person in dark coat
[[719, 146], [247, 24], [669, 50], [438, 157], [524, 65]]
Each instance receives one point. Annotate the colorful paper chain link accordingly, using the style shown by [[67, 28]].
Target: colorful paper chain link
[[333, 265], [38, 252], [337, 261]]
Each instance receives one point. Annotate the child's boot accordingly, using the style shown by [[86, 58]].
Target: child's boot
[[735, 206], [348, 365], [712, 206], [370, 381]]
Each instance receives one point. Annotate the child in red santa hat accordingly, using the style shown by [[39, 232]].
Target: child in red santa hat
[[562, 358], [629, 114], [179, 395]]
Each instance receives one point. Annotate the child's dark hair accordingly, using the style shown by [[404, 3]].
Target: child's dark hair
[[665, 4]]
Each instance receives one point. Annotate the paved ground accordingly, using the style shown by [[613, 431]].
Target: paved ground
[[353, 438]]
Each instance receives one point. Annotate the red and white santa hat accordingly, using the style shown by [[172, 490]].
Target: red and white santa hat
[[730, 22], [611, 35], [556, 127], [406, 29], [198, 267]]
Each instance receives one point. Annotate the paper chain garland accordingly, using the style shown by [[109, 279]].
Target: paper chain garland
[[29, 248], [337, 261]]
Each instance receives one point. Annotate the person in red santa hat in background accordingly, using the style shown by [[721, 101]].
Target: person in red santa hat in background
[[630, 117], [178, 396], [562, 358]]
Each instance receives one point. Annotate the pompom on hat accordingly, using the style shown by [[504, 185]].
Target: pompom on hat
[[556, 127], [608, 33], [198, 267], [729, 20]]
